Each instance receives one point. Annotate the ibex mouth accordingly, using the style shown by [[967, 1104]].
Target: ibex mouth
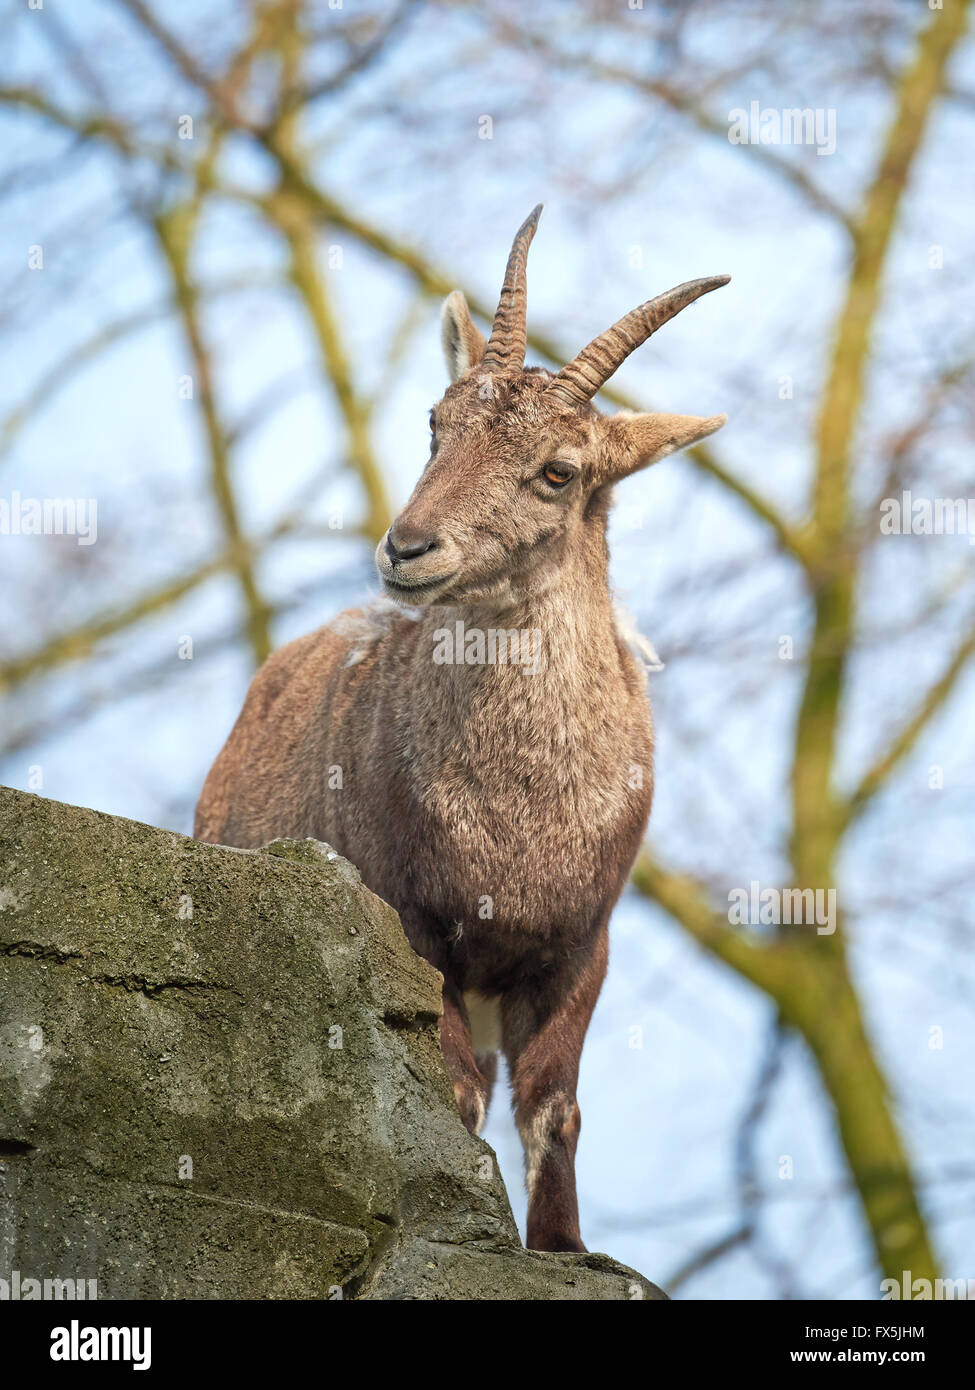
[[417, 589]]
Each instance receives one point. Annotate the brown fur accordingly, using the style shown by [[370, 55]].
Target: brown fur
[[498, 809]]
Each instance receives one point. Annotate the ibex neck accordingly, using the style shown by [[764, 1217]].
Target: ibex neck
[[506, 740], [559, 639]]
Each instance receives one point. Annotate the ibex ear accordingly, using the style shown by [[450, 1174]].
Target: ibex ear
[[463, 341], [636, 441]]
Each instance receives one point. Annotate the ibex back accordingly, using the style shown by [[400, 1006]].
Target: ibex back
[[481, 747]]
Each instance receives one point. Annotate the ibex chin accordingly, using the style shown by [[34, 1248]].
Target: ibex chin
[[497, 802]]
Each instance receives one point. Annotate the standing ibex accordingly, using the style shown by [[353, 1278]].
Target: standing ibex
[[497, 803]]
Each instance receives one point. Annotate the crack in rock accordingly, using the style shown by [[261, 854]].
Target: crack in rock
[[132, 984]]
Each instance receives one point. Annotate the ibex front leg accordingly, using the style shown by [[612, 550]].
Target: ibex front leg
[[544, 1022]]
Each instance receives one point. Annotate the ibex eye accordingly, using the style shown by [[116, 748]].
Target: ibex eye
[[557, 474], [433, 423]]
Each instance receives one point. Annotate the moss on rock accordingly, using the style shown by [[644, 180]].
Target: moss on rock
[[221, 1077]]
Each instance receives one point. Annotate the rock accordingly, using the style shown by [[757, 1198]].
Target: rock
[[220, 1077]]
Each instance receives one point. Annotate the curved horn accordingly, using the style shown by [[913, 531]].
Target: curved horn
[[588, 373], [506, 345]]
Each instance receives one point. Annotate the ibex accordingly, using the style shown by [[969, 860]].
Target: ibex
[[496, 802]]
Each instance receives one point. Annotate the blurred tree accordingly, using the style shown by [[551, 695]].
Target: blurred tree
[[280, 95]]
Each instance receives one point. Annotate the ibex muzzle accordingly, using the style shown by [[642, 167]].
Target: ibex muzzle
[[497, 803]]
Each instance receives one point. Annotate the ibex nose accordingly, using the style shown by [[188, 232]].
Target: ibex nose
[[406, 542]]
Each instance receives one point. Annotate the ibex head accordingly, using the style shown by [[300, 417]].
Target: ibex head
[[520, 460]]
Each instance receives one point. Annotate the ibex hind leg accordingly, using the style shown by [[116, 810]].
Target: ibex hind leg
[[484, 1015], [487, 1065], [472, 1089], [544, 1023]]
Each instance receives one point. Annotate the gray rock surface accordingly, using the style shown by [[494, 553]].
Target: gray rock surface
[[220, 1077]]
